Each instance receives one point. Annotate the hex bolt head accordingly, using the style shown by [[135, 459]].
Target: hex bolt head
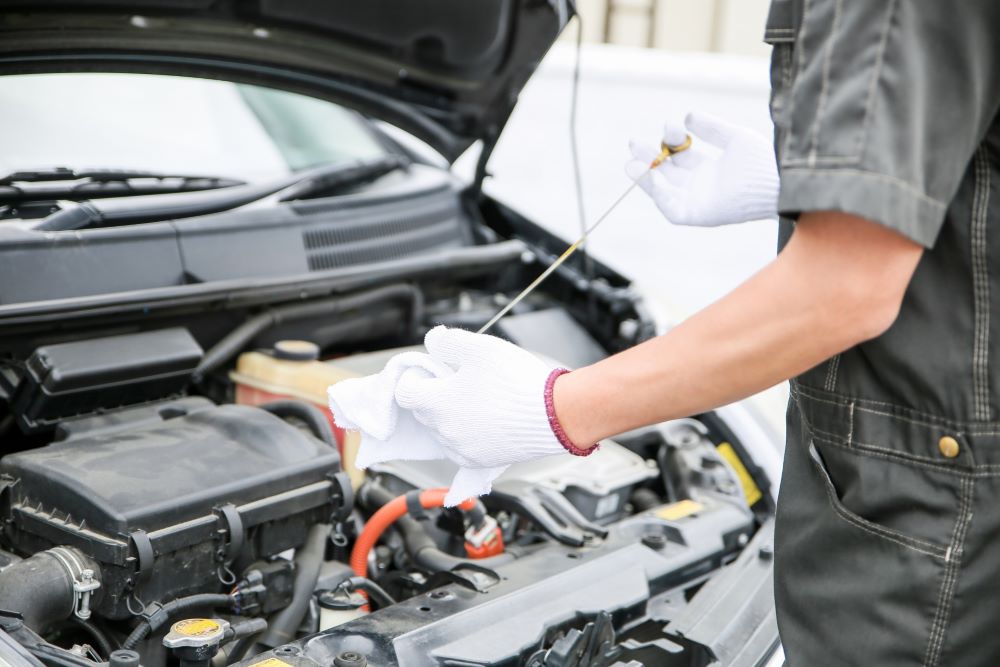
[[350, 659]]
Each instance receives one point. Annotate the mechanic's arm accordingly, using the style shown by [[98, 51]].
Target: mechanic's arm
[[839, 281]]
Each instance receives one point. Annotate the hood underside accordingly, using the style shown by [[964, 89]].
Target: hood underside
[[447, 71]]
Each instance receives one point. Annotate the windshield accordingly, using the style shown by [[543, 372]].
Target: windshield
[[173, 124]]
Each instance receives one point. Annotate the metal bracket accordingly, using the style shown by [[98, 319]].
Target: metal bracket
[[84, 589], [84, 583]]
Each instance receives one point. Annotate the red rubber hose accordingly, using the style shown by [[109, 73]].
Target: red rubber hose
[[386, 516]]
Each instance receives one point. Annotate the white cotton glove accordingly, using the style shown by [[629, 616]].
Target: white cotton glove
[[476, 400], [727, 176], [491, 411], [389, 432]]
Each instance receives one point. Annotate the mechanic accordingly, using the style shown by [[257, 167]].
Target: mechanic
[[882, 304]]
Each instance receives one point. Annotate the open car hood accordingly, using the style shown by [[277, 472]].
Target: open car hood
[[447, 71]]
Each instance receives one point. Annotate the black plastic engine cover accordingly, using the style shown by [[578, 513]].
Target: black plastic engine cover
[[83, 376], [166, 505]]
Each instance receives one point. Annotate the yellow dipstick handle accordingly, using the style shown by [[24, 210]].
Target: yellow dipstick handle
[[666, 151]]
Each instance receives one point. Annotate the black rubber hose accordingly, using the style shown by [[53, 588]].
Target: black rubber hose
[[40, 587], [308, 560], [419, 545], [242, 335], [245, 635], [249, 628], [663, 461], [376, 592], [307, 413], [240, 648], [157, 616], [101, 639]]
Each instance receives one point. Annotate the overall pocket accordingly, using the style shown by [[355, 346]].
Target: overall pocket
[[865, 562], [897, 500]]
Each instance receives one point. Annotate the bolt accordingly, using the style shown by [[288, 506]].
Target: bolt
[[766, 552], [350, 659], [85, 588]]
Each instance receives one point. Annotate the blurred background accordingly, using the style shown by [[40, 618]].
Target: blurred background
[[641, 63], [722, 26]]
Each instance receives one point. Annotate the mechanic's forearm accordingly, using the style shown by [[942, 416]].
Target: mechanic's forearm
[[827, 291]]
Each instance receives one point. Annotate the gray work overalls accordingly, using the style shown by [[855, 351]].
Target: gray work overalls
[[888, 528]]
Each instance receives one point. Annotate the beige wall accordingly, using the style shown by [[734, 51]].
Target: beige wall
[[729, 26]]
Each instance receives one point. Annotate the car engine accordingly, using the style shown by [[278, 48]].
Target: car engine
[[168, 504]]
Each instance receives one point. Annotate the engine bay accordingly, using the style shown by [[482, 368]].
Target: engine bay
[[169, 496]]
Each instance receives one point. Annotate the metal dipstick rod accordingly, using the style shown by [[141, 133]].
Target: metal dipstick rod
[[666, 150]]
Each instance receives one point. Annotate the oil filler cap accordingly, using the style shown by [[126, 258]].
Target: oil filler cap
[[196, 633], [296, 350]]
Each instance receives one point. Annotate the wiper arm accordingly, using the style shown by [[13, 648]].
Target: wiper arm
[[332, 181], [126, 211], [19, 188], [101, 175]]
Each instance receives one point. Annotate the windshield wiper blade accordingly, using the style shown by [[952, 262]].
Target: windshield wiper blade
[[126, 211], [21, 187], [96, 175], [23, 193]]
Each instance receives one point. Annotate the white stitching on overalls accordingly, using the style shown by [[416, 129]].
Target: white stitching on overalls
[[953, 562], [912, 190], [850, 425], [831, 373], [824, 83], [873, 451], [980, 288], [800, 54], [873, 84]]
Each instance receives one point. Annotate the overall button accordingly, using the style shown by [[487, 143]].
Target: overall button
[[948, 446]]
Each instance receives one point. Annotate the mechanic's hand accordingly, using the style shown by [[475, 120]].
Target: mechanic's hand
[[728, 175], [491, 411]]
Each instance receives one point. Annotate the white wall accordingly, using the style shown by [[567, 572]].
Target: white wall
[[724, 26]]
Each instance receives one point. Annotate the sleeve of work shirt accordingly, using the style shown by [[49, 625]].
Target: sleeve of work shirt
[[888, 105]]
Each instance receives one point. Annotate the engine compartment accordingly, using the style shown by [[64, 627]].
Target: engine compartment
[[181, 492]]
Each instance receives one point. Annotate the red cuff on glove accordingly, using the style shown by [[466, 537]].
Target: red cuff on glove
[[557, 429]]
